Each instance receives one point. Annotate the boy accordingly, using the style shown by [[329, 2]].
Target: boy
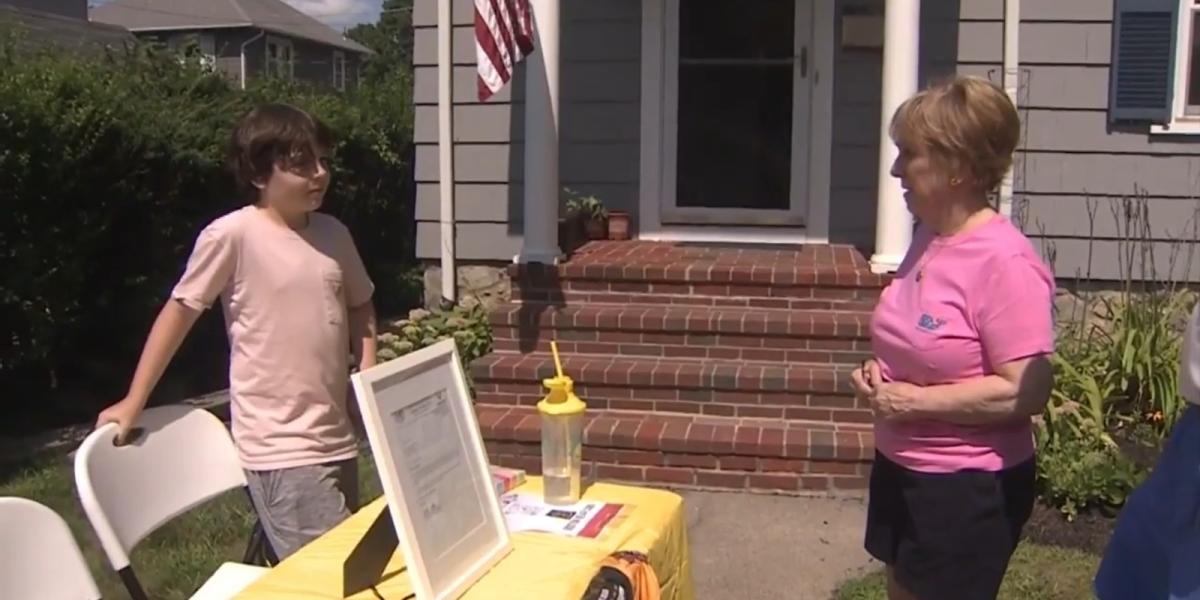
[[297, 302]]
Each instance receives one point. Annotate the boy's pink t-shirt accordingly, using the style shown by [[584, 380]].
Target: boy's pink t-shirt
[[983, 298], [285, 295]]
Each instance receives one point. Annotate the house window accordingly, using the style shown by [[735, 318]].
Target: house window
[[1187, 56], [339, 70], [1155, 72], [281, 60]]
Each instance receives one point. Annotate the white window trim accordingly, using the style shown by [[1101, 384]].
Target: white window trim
[[654, 138], [339, 68], [282, 43], [1181, 124]]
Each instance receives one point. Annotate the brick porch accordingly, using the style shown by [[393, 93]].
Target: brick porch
[[702, 365]]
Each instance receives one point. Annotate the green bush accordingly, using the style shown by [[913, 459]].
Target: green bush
[[468, 325], [110, 166], [1081, 473], [1116, 392]]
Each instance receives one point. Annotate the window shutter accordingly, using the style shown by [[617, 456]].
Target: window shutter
[[1141, 83]]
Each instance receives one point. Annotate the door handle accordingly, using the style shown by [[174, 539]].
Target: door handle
[[804, 61]]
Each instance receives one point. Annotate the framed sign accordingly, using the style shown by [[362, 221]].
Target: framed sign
[[419, 419]]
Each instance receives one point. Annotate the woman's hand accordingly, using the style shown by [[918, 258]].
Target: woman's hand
[[889, 399], [895, 399], [866, 378]]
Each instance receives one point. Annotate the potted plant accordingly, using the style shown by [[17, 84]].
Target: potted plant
[[589, 213], [618, 225]]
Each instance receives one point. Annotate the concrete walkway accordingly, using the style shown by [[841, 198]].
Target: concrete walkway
[[774, 547]]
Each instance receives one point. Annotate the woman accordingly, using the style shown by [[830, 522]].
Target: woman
[[960, 339], [1154, 553]]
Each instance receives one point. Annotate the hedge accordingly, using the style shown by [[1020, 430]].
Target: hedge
[[110, 166]]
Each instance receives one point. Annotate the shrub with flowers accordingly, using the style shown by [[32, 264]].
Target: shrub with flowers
[[467, 325]]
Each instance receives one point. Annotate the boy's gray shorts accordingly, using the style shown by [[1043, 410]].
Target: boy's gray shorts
[[299, 504]]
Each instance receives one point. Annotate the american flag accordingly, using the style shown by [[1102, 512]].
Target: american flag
[[503, 36]]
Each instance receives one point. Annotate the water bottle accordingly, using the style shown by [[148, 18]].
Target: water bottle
[[562, 438]]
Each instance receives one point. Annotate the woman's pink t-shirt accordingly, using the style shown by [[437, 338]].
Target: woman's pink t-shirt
[[957, 307]]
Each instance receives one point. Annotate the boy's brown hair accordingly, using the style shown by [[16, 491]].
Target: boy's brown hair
[[274, 134]]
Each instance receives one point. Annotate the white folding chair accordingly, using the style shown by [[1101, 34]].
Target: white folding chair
[[39, 557], [178, 458]]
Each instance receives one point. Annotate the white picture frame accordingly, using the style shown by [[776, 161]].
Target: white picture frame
[[420, 422]]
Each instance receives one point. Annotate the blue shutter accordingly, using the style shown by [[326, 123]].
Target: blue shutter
[[1141, 83]]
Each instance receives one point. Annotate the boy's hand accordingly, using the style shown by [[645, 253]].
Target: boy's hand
[[123, 413]]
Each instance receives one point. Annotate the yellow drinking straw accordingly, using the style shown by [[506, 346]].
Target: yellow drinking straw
[[557, 362]]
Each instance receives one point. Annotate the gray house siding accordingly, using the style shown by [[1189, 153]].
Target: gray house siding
[[1069, 157], [600, 80]]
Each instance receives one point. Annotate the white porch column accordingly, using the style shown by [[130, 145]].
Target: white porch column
[[901, 40], [540, 242]]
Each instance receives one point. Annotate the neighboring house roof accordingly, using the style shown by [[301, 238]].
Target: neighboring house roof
[[36, 29], [275, 16]]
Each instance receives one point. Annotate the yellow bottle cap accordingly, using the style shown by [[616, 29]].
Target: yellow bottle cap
[[561, 399]]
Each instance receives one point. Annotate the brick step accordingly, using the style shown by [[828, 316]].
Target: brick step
[[806, 296], [690, 332], [710, 452], [818, 392], [810, 277]]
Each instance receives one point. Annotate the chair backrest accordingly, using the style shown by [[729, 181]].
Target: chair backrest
[[178, 457], [39, 557]]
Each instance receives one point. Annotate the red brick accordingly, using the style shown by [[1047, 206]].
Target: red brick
[[638, 457], [624, 434], [761, 412], [679, 407], [621, 472], [700, 437], [650, 433], [745, 441], [774, 481], [812, 483], [703, 461], [806, 414], [721, 479], [528, 429], [795, 443], [738, 463], [591, 453], [670, 475], [771, 442], [722, 440], [781, 464], [675, 438], [724, 410], [599, 431], [828, 467], [850, 483], [848, 446]]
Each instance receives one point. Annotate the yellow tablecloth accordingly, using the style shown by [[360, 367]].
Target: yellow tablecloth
[[541, 566]]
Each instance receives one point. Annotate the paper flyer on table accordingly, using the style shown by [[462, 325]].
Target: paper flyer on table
[[524, 512]]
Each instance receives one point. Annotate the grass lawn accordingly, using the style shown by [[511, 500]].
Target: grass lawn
[[177, 558], [1035, 573]]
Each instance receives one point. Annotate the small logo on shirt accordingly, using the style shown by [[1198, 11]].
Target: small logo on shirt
[[928, 323]]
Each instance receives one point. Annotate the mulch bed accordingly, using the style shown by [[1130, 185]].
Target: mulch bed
[[1089, 531]]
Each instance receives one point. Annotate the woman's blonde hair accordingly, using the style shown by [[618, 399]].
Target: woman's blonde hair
[[965, 124]]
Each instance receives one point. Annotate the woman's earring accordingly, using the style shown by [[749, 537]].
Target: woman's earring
[[954, 181]]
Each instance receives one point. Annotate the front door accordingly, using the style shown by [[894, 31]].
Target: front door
[[737, 102]]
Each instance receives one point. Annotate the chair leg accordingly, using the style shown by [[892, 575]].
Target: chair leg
[[132, 585]]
